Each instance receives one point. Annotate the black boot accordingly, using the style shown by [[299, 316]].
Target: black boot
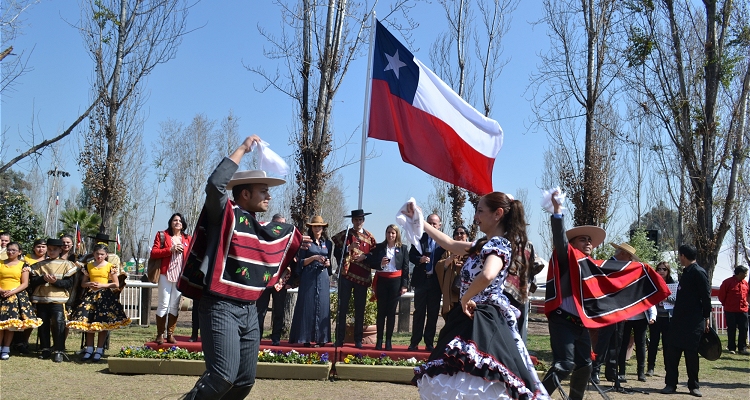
[[237, 392], [579, 379], [209, 387], [553, 377], [388, 344], [595, 373], [641, 375]]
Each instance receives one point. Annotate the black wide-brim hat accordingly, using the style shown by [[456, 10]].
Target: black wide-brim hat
[[101, 237], [54, 242], [710, 345], [357, 213]]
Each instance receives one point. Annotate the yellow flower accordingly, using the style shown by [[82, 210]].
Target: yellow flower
[[346, 360]]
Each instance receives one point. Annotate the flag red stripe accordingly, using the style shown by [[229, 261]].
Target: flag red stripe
[[427, 142]]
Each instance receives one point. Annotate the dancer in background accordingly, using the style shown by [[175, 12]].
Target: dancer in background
[[16, 312]]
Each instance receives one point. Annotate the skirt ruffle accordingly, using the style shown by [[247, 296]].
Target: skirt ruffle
[[99, 311], [483, 347], [17, 313], [460, 385]]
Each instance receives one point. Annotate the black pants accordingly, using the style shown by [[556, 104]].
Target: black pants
[[570, 342], [426, 302], [388, 294], [608, 342], [53, 321], [738, 321], [638, 329], [277, 314], [672, 357], [659, 329], [346, 288]]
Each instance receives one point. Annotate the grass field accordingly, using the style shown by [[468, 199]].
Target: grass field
[[26, 377]]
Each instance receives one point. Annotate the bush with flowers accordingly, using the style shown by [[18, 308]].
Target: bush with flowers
[[291, 357], [361, 359], [171, 353]]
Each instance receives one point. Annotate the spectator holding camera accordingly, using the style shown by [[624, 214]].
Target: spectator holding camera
[[312, 313]]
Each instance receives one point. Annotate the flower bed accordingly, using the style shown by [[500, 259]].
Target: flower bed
[[177, 361], [359, 367]]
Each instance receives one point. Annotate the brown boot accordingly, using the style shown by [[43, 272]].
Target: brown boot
[[171, 324], [161, 322]]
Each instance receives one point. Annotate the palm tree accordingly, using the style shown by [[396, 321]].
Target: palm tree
[[89, 222]]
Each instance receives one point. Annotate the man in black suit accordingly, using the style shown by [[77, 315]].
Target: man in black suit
[[426, 288], [690, 317]]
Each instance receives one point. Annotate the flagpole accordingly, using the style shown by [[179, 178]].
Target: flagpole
[[366, 114]]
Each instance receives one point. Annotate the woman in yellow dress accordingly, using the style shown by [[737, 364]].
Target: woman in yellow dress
[[16, 313], [100, 309], [38, 253]]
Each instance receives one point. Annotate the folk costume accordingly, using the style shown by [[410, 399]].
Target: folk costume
[[50, 299], [354, 277], [584, 293], [483, 357], [100, 309], [312, 312], [16, 312], [231, 260]]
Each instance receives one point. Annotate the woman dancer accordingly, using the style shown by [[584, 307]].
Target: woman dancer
[[391, 258], [169, 246], [312, 313], [100, 310], [16, 313], [479, 351], [660, 328]]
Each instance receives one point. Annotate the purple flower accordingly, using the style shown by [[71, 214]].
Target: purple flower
[[382, 355], [358, 355], [324, 357]]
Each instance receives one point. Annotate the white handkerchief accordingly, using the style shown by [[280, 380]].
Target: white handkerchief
[[271, 162], [547, 199], [413, 227]]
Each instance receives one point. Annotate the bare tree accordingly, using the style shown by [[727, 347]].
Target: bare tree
[[127, 39], [690, 64], [189, 165], [577, 110], [11, 17], [317, 44]]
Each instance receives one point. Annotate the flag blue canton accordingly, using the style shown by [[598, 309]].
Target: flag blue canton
[[389, 52]]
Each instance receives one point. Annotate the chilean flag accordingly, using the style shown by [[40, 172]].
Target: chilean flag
[[436, 130]]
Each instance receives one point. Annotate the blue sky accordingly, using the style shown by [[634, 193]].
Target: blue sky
[[208, 76]]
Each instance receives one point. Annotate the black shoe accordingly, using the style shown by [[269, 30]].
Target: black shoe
[[358, 345], [622, 379], [696, 393], [338, 344], [57, 357], [46, 354], [22, 348], [595, 378], [378, 346], [669, 389], [275, 343], [307, 344], [650, 372], [642, 377], [413, 348], [388, 347], [429, 347]]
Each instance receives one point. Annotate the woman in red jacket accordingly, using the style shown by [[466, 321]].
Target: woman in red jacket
[[169, 245]]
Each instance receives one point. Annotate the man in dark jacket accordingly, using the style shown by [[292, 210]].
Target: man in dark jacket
[[426, 288], [692, 310]]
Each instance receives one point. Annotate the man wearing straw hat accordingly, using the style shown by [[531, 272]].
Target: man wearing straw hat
[[232, 259], [569, 338]]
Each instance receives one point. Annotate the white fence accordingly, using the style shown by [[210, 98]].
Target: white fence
[[131, 299]]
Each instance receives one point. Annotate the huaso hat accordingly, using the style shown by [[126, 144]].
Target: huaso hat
[[596, 234], [626, 248], [357, 213], [317, 221], [254, 176]]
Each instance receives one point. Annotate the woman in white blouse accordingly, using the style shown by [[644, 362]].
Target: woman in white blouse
[[391, 259]]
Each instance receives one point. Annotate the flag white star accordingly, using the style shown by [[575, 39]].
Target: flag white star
[[394, 63]]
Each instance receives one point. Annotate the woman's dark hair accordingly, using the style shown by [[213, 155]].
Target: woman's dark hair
[[740, 269], [20, 250], [184, 224], [100, 246], [39, 241], [514, 222], [455, 230], [323, 235], [669, 278]]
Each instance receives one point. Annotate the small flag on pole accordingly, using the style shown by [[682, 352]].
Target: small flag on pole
[[57, 199], [117, 237]]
